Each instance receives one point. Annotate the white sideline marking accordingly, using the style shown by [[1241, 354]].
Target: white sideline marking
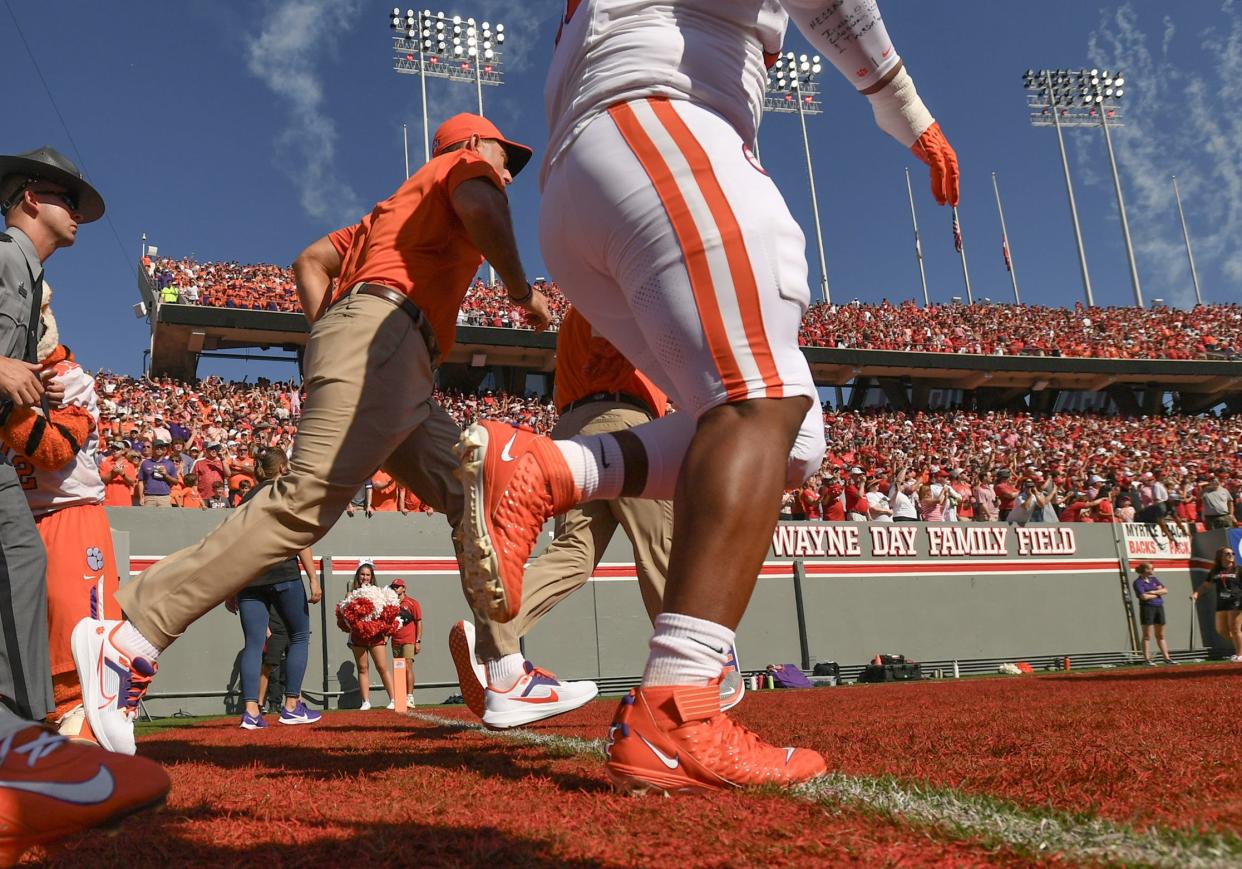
[[961, 815], [563, 744]]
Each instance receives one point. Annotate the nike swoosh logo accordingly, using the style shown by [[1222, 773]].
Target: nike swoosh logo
[[670, 762], [551, 698], [729, 692], [86, 793], [789, 752], [708, 646], [505, 455]]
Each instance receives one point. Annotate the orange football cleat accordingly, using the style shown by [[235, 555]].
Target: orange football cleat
[[514, 482], [675, 739], [51, 787]]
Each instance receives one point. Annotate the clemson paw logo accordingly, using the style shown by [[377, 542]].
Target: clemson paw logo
[[95, 558]]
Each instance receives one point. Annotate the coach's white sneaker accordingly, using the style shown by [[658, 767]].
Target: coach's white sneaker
[[113, 684], [536, 695]]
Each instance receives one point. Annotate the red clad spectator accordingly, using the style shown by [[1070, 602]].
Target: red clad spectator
[[210, 469], [810, 500]]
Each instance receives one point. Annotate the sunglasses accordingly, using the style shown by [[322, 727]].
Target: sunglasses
[[70, 201]]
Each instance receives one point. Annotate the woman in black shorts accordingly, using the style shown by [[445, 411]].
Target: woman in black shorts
[[1226, 577], [1151, 592]]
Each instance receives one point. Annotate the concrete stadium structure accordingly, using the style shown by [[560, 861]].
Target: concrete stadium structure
[[839, 591]]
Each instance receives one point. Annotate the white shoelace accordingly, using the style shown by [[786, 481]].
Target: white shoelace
[[42, 745]]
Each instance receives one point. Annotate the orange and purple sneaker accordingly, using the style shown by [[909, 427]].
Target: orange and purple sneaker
[[113, 683], [534, 696], [514, 481], [674, 739], [52, 787]]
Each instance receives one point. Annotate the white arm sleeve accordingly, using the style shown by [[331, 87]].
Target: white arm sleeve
[[851, 34], [848, 33]]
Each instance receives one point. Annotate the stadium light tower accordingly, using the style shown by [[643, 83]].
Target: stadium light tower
[[1047, 98], [445, 46], [1085, 98], [792, 88]]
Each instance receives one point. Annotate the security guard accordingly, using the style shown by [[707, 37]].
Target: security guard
[[43, 198]]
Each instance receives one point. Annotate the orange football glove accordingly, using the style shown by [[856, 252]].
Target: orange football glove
[[934, 150]]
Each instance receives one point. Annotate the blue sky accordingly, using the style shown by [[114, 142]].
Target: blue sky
[[233, 130]]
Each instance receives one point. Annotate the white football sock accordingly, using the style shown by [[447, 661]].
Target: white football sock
[[597, 466], [686, 651], [130, 641], [503, 672], [664, 440]]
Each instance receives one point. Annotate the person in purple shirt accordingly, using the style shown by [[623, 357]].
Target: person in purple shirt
[[1150, 591], [156, 477]]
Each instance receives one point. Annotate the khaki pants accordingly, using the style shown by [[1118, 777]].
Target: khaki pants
[[157, 500], [582, 535], [368, 404]]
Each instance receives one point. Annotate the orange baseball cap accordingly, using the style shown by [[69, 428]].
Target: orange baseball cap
[[461, 127]]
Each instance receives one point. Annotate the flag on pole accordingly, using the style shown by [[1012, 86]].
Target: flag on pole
[[957, 233], [1005, 254]]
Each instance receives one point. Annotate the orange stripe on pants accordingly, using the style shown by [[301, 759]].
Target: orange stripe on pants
[[740, 268], [691, 243]]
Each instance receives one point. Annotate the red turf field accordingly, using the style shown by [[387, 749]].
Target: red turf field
[[1133, 766]]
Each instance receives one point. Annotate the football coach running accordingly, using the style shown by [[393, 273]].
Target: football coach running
[[375, 342]]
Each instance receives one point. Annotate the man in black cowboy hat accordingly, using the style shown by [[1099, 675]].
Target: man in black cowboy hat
[[40, 195], [44, 199]]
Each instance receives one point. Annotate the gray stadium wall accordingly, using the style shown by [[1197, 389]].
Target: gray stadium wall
[[934, 592]]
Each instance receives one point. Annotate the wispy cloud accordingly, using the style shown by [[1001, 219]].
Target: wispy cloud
[[286, 55], [1179, 121]]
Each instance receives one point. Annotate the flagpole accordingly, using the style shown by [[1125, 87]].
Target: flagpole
[[918, 248], [1013, 276], [405, 146], [961, 249], [1194, 275]]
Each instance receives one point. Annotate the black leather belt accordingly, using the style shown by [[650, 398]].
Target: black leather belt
[[403, 302], [612, 397]]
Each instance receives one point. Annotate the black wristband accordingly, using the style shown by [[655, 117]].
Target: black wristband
[[530, 291]]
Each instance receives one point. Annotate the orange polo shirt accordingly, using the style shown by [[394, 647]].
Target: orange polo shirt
[[414, 243], [383, 493], [587, 363]]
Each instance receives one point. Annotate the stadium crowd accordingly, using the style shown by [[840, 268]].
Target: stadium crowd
[[880, 465], [965, 466], [1206, 331], [1203, 332]]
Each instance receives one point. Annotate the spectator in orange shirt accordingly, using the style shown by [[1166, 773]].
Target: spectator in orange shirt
[[120, 477], [186, 494], [385, 493]]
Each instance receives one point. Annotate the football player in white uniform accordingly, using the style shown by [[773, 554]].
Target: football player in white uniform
[[665, 232]]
